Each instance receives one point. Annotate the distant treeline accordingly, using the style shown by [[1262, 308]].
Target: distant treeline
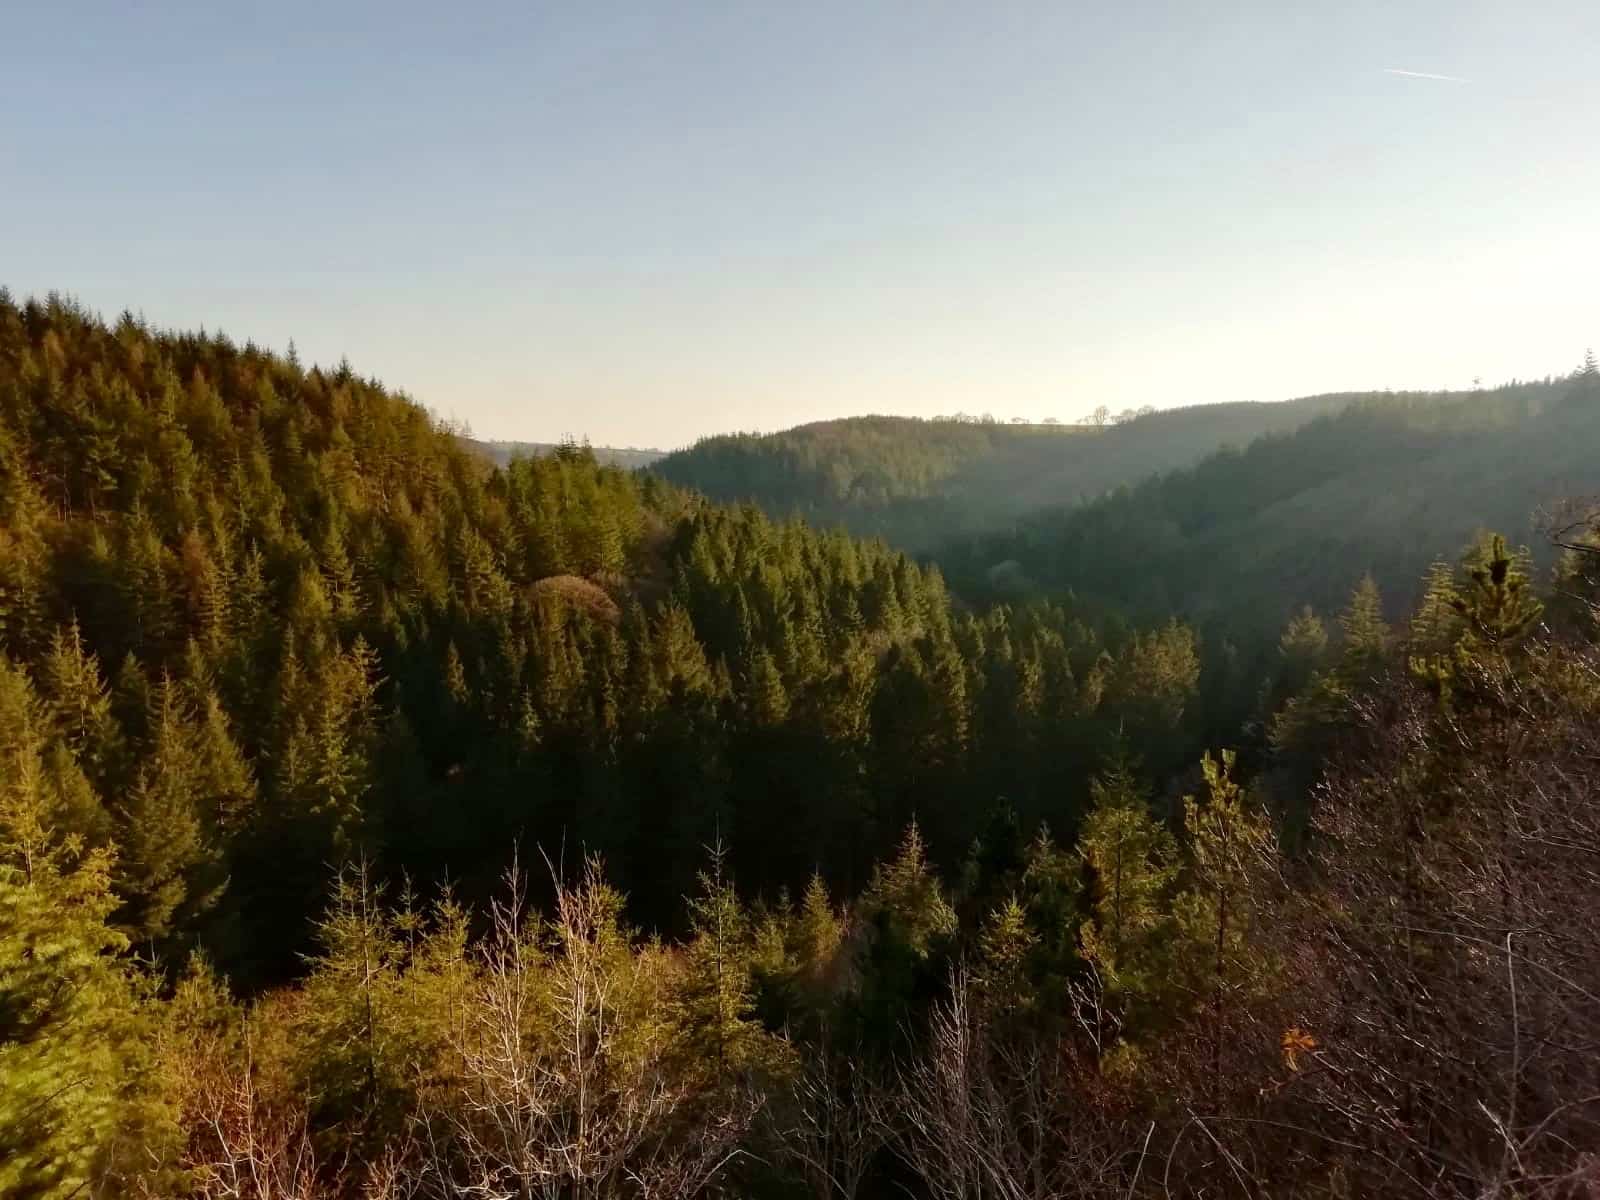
[[628, 457], [916, 482]]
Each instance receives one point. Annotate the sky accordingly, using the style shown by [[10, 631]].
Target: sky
[[643, 223]]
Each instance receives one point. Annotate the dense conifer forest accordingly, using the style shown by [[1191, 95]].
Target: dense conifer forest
[[379, 820]]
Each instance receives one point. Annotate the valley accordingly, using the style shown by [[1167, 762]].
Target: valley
[[881, 804]]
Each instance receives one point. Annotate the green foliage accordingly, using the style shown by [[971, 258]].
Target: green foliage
[[80, 706], [905, 902], [1132, 863], [1321, 704], [1497, 608], [330, 630], [1436, 625], [817, 934], [379, 1003], [716, 998], [1304, 641], [78, 1109], [169, 868], [1365, 634], [906, 924], [1227, 842], [1005, 949]]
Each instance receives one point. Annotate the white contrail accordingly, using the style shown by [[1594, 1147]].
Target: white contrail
[[1424, 75]]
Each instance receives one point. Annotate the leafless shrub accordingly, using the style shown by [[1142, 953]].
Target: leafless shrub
[[836, 1122], [567, 1082], [1572, 526], [239, 1148], [985, 1112], [1457, 984]]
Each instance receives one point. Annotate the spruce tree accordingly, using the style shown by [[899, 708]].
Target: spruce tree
[[1436, 625], [1052, 897], [1498, 608], [1005, 948], [1229, 851], [80, 706], [349, 1030], [818, 931], [169, 870], [1302, 647], [907, 925], [1132, 865], [77, 1111], [765, 698], [716, 999], [1366, 635]]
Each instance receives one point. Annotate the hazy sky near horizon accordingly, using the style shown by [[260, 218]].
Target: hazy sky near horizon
[[646, 222]]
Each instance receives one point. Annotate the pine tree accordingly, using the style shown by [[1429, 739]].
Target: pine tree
[[1366, 635], [23, 554], [132, 702], [906, 901], [170, 866], [1498, 609], [354, 979], [339, 573], [1051, 891], [80, 706], [1005, 946], [1302, 646], [681, 660], [716, 998], [1229, 849], [1156, 676], [227, 783], [205, 594], [905, 927], [1436, 625], [1132, 862], [818, 931], [77, 1113], [147, 602], [765, 697]]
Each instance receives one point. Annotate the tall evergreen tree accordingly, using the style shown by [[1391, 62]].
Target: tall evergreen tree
[[1132, 861], [78, 1114], [169, 870]]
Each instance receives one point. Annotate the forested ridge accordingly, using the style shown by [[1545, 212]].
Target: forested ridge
[[915, 482], [1243, 537], [379, 821]]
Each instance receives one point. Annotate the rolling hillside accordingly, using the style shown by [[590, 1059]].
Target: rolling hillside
[[1383, 486], [915, 481]]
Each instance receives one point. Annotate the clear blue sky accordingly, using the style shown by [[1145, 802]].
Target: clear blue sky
[[647, 222]]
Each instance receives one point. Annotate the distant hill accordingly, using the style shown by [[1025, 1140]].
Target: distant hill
[[916, 481], [629, 457], [1247, 535]]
